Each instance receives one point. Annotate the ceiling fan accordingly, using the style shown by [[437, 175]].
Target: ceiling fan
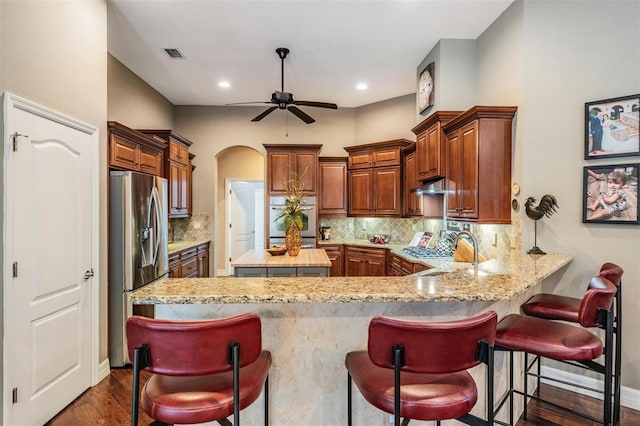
[[285, 100]]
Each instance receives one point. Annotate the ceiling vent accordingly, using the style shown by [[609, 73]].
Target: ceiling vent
[[174, 53]]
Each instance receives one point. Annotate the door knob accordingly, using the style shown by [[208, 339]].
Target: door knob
[[88, 274]]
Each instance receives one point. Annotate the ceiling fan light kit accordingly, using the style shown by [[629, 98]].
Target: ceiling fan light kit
[[285, 100]]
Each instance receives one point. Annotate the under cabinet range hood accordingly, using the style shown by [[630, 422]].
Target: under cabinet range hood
[[433, 187]]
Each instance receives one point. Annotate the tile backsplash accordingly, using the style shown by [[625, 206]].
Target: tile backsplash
[[495, 241], [195, 227]]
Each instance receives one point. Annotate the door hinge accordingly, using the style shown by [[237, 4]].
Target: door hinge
[[229, 225], [14, 138], [15, 269], [229, 259], [230, 192], [14, 395]]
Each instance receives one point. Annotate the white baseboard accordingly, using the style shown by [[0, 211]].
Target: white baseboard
[[103, 371], [629, 397]]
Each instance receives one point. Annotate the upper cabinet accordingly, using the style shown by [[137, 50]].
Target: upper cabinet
[[283, 161], [332, 186], [479, 165], [374, 178], [412, 197], [178, 171], [430, 145], [133, 150]]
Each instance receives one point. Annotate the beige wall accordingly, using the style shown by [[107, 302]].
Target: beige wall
[[550, 74], [55, 54], [132, 102], [381, 121]]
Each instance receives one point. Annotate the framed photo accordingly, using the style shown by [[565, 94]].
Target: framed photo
[[610, 194], [611, 127], [426, 85]]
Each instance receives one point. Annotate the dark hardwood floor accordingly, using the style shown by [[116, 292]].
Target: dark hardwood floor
[[109, 403]]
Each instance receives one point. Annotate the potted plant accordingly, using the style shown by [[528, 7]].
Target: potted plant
[[293, 213]]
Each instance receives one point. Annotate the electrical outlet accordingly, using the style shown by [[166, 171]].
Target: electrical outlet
[[196, 225], [494, 241]]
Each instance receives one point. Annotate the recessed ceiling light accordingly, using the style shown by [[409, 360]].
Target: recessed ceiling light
[[224, 84], [361, 86]]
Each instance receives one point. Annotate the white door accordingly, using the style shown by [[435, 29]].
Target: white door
[[242, 218], [49, 260]]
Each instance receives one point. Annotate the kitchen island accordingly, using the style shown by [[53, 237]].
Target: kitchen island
[[309, 324], [259, 263]]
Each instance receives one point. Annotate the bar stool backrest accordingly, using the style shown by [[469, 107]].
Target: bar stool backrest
[[612, 272], [195, 348], [431, 347], [599, 296]]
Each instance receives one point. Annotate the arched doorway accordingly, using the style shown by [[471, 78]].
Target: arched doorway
[[236, 165]]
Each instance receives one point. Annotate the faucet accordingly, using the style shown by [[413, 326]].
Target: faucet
[[473, 240]]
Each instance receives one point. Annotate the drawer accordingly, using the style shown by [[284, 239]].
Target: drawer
[[187, 254], [188, 268], [386, 157]]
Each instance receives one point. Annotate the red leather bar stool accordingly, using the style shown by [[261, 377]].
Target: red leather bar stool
[[202, 370], [417, 370], [564, 342], [564, 308]]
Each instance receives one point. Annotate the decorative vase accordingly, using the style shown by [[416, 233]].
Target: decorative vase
[[293, 241]]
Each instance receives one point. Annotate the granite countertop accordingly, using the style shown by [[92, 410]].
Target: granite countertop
[[262, 259], [176, 246], [492, 280]]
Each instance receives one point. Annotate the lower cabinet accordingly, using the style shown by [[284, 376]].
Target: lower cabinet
[[399, 266], [364, 262], [336, 256], [192, 262], [280, 272]]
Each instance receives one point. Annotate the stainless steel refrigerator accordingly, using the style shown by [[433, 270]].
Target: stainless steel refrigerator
[[137, 247]]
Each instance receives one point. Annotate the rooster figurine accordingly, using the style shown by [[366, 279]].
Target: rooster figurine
[[546, 207]]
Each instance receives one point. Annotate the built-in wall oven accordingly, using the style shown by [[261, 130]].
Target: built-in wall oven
[[276, 226]]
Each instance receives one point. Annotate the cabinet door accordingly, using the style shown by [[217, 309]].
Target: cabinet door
[[383, 157], [150, 161], [360, 186], [174, 188], [332, 199], [353, 265], [305, 166], [203, 261], [422, 152], [337, 262], [386, 191], [183, 177], [413, 199], [189, 268], [454, 173], [469, 196], [376, 266], [123, 153], [433, 164], [278, 165]]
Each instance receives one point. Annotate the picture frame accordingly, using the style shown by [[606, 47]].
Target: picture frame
[[426, 88], [610, 194], [611, 127]]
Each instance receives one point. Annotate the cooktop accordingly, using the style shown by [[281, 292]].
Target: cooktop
[[426, 252]]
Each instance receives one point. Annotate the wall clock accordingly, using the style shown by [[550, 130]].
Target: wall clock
[[426, 84]]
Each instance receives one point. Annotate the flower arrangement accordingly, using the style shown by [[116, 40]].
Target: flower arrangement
[[294, 209]]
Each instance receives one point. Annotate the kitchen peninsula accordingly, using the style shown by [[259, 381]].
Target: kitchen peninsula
[[259, 263], [309, 324]]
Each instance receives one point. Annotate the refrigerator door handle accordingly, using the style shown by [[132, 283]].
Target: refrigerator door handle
[[154, 209]]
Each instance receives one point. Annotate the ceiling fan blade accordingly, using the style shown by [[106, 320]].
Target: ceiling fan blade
[[248, 103], [264, 113], [301, 114], [316, 104]]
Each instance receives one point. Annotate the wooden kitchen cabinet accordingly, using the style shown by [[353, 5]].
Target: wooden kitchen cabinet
[[203, 260], [364, 262], [479, 165], [399, 266], [374, 178], [332, 186], [285, 160], [413, 198], [431, 161], [178, 170], [192, 262], [133, 150], [336, 256]]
